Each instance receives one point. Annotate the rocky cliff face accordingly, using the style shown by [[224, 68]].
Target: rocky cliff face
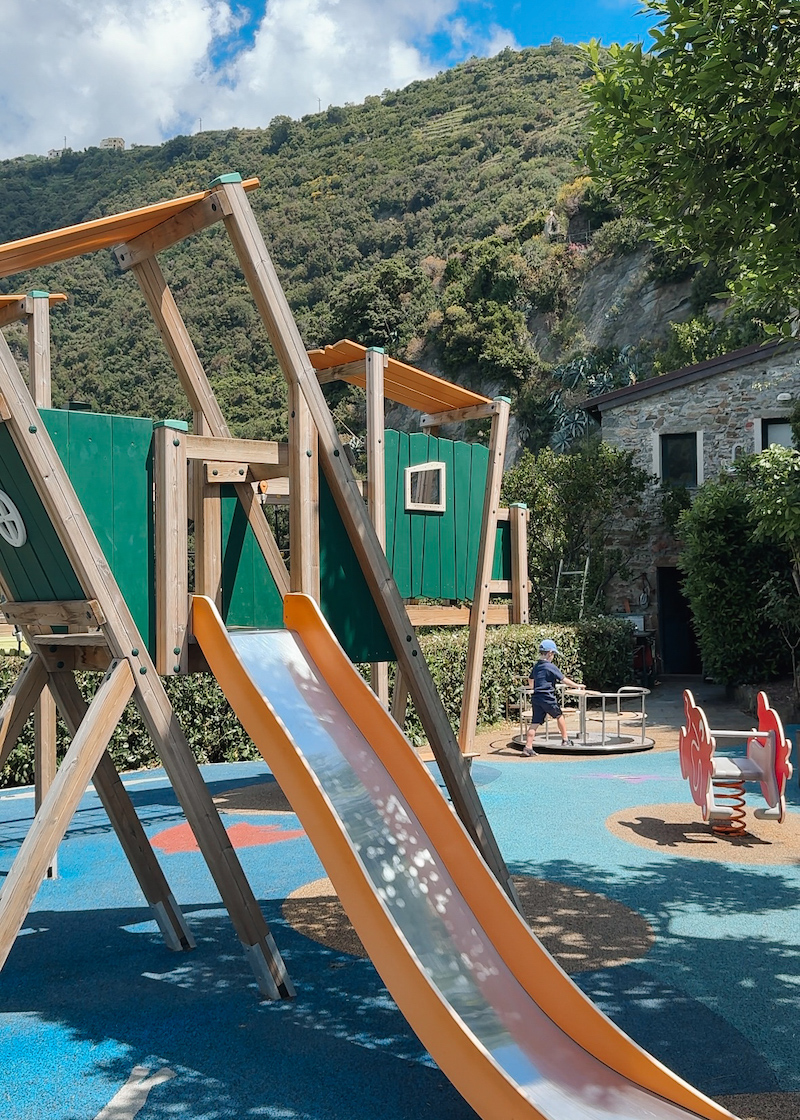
[[619, 304]]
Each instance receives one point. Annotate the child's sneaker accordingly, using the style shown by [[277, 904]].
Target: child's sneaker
[[568, 744], [528, 752]]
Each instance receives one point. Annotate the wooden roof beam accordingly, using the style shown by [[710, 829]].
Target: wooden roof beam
[[13, 308], [201, 215], [459, 415], [102, 233]]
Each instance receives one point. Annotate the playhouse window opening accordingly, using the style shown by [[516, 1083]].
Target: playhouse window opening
[[425, 488]]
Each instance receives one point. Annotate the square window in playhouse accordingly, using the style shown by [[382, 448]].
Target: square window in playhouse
[[425, 488]]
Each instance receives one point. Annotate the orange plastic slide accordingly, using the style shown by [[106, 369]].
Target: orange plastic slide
[[508, 1027]]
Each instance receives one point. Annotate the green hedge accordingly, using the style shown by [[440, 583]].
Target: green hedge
[[597, 651]]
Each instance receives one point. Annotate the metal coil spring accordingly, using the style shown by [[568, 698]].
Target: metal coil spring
[[731, 794]]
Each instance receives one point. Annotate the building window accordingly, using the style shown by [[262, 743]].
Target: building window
[[679, 459], [425, 488], [776, 431]]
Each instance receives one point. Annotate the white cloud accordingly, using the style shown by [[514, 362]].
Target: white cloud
[[87, 69]]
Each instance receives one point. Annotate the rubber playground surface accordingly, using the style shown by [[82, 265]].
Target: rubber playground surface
[[691, 945]]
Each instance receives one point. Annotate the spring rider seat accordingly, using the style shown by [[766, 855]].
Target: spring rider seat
[[717, 782]]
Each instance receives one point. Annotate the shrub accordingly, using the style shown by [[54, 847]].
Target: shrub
[[724, 572], [598, 651]]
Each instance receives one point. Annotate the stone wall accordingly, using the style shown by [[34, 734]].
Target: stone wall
[[728, 408]]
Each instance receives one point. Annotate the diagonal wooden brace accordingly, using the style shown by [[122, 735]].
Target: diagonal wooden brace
[[60, 802], [19, 704], [126, 824]]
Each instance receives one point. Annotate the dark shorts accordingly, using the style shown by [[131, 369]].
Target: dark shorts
[[544, 706]]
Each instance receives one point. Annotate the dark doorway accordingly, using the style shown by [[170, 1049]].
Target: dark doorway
[[679, 651]]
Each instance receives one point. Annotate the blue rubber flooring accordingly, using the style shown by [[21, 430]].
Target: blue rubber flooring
[[90, 992]]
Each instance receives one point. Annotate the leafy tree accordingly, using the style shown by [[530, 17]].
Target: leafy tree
[[773, 498], [574, 500], [725, 572], [698, 135]]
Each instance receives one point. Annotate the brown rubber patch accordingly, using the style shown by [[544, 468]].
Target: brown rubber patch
[[679, 830], [582, 930], [763, 1106], [262, 797]]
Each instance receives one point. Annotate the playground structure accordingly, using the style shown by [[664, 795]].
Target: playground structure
[[717, 781], [613, 725], [515, 1035]]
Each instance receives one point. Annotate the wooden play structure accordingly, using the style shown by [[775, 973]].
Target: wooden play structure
[[94, 551], [717, 782]]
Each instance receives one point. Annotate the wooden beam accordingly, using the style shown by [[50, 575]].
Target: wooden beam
[[207, 534], [172, 549], [13, 312], [60, 802], [217, 473], [339, 373], [37, 305], [459, 415], [496, 615], [85, 613], [126, 824], [520, 584], [375, 363], [204, 404], [227, 450], [46, 471], [207, 212], [480, 601], [295, 363], [19, 703], [303, 497]]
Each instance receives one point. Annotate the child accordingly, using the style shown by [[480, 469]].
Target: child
[[544, 676]]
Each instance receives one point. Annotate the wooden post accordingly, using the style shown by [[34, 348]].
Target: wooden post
[[303, 498], [376, 363], [60, 802], [483, 575], [70, 522], [207, 527], [37, 307], [285, 338], [518, 515], [172, 547]]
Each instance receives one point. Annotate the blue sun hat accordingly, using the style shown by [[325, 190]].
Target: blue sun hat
[[549, 646]]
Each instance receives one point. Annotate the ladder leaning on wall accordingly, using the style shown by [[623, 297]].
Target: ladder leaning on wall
[[563, 574]]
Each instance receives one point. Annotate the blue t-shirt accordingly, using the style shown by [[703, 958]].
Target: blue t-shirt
[[545, 675]]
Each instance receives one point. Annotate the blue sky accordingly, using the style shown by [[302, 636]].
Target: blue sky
[[83, 70]]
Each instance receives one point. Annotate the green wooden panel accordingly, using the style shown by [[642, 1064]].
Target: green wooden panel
[[418, 444], [401, 530], [345, 599], [91, 471], [477, 482], [133, 534], [448, 586], [501, 563], [109, 462], [249, 595], [391, 444], [431, 563], [462, 480], [39, 569]]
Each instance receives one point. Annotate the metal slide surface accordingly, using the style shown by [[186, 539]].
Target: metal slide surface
[[500, 1017]]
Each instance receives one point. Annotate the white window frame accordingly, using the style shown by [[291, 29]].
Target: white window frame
[[426, 507]]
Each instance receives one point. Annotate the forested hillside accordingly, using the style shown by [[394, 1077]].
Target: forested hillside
[[414, 221]]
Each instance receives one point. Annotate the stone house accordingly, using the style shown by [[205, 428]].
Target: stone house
[[686, 427]]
